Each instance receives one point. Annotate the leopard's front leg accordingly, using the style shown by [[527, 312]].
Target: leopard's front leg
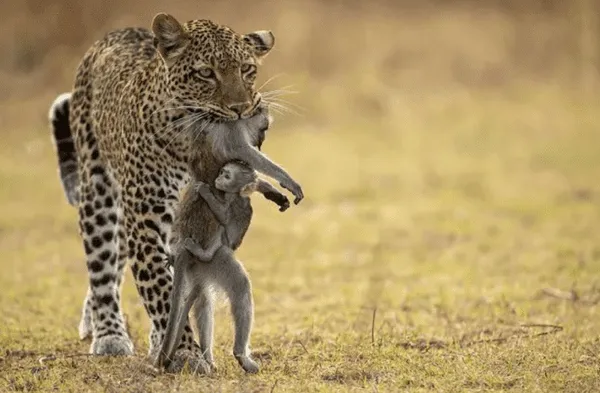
[[148, 220]]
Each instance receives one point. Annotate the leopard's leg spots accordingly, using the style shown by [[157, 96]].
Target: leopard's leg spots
[[147, 243], [98, 217], [121, 256], [85, 324]]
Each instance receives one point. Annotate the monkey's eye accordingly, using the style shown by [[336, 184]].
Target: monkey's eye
[[206, 73]]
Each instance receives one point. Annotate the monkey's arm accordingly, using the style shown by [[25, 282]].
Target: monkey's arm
[[273, 194], [196, 249], [218, 208], [263, 164]]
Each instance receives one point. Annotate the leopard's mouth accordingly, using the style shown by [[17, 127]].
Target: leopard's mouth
[[215, 114], [254, 109], [210, 114]]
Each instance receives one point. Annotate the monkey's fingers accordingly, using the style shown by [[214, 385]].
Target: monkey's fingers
[[295, 189], [299, 196], [284, 203]]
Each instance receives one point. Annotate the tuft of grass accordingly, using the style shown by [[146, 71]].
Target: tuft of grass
[[450, 243]]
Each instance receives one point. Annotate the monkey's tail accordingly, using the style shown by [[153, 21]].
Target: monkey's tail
[[65, 147]]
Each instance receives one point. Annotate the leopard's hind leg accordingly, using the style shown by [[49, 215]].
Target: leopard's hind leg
[[98, 205]]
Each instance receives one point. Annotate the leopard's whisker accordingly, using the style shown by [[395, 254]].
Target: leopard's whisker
[[177, 123], [269, 81], [285, 102]]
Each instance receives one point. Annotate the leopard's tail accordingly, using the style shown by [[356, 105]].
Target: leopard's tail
[[65, 147]]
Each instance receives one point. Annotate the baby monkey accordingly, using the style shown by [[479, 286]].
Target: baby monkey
[[193, 281], [238, 181]]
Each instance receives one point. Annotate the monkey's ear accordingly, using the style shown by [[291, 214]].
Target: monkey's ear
[[261, 42], [169, 37]]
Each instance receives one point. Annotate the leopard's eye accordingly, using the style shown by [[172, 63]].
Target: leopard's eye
[[206, 72], [248, 68]]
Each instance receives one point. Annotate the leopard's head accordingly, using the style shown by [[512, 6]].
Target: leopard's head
[[211, 68]]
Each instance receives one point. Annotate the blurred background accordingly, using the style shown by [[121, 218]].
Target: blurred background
[[362, 55]]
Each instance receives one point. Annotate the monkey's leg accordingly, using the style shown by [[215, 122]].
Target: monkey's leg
[[182, 297], [231, 276], [205, 318]]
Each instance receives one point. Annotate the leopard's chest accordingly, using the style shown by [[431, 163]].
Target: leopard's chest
[[150, 153]]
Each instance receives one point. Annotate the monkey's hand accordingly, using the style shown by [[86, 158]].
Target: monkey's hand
[[189, 242], [294, 188], [201, 188], [280, 199]]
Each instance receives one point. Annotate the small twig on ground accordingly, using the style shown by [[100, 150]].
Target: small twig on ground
[[423, 345], [46, 358], [20, 353], [302, 345], [499, 340], [553, 329], [560, 294], [274, 385], [542, 325], [77, 355], [463, 342], [373, 326], [52, 356]]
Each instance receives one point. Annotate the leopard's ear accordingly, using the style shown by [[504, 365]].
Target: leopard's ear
[[261, 42], [170, 39]]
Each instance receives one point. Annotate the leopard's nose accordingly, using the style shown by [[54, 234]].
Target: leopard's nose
[[239, 107]]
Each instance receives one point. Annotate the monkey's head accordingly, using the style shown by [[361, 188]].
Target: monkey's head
[[237, 177]]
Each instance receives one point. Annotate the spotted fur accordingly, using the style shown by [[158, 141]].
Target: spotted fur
[[139, 96]]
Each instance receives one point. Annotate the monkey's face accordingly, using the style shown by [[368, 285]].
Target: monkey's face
[[235, 178]]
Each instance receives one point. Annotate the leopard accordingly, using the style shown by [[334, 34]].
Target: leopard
[[123, 136]]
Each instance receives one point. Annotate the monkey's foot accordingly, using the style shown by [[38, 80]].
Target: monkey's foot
[[112, 345], [194, 360], [249, 365]]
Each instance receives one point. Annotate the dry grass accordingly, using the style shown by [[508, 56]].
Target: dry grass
[[449, 240]]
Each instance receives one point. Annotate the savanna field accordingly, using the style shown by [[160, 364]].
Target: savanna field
[[449, 240]]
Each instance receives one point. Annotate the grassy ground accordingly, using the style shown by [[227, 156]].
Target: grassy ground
[[451, 244]]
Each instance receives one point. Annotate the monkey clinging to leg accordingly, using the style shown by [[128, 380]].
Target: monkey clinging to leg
[[194, 281]]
